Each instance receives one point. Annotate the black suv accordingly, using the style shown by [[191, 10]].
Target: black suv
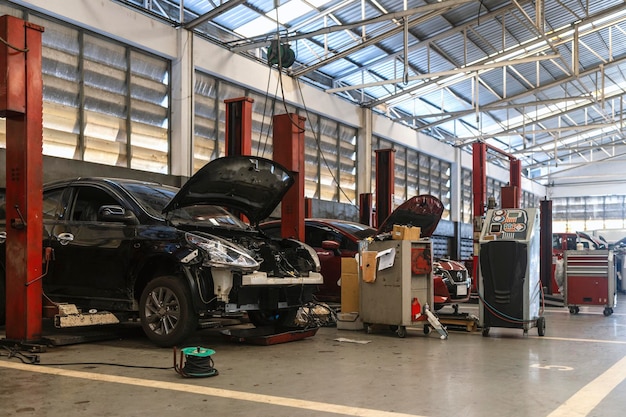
[[173, 257]]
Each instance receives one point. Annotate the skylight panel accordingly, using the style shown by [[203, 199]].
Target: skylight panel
[[289, 11], [256, 27]]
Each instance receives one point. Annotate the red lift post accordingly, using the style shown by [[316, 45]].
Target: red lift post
[[238, 132], [366, 212], [21, 102], [385, 185], [547, 264], [511, 195], [288, 135]]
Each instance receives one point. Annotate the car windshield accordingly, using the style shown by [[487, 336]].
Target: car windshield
[[154, 197], [360, 231]]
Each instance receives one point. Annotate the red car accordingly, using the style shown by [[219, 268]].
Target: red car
[[334, 239]]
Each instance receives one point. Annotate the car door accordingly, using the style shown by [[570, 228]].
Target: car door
[[330, 260], [91, 257]]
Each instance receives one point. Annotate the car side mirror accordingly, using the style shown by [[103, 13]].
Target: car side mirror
[[331, 245], [111, 213]]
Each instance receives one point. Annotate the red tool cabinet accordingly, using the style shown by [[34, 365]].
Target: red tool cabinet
[[590, 280]]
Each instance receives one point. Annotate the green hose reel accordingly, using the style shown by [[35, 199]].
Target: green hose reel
[[195, 362], [280, 54]]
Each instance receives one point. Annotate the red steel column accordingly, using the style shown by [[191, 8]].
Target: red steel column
[[385, 184], [238, 139], [511, 194], [515, 179], [479, 191], [479, 178], [21, 92], [308, 207], [288, 135], [546, 270], [365, 209]]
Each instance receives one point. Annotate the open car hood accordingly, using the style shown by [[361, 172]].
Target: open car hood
[[600, 244], [422, 211], [251, 185]]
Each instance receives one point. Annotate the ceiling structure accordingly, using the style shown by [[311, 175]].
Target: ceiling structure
[[541, 80]]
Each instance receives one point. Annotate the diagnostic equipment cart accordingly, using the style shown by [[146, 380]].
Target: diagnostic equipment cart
[[397, 286]]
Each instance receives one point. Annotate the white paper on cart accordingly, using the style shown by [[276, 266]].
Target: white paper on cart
[[386, 258]]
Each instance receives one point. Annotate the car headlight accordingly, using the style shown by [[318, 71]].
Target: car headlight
[[223, 254]]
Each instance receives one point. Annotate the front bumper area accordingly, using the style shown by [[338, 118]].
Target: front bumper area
[[261, 279]]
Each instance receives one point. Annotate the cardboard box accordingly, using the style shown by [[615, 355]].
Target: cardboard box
[[349, 321], [349, 284], [368, 266], [406, 232]]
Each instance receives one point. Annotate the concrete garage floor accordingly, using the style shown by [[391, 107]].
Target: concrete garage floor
[[577, 369]]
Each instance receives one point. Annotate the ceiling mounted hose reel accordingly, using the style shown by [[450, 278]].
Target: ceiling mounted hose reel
[[280, 54]]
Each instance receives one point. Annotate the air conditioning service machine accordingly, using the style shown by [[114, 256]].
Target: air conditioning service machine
[[510, 289]]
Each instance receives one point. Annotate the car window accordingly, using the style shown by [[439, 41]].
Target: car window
[[213, 216], [315, 235], [152, 197], [571, 242], [52, 204], [87, 202], [556, 242]]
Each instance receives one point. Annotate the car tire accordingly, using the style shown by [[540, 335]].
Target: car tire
[[277, 318], [166, 312]]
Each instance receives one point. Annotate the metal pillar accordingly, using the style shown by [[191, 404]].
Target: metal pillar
[[238, 138], [365, 209], [508, 197], [479, 192], [512, 194], [515, 178], [238, 131], [288, 135], [21, 92], [545, 247], [385, 185]]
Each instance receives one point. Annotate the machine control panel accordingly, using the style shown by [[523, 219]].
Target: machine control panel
[[506, 224]]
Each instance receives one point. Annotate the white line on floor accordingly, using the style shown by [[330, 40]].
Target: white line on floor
[[569, 339], [214, 392], [589, 396]]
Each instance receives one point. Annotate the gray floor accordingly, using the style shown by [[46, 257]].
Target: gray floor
[[577, 368]]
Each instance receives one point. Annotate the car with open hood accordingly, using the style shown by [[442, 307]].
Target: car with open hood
[[334, 239], [175, 257], [571, 241]]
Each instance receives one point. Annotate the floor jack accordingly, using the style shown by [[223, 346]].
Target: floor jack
[[269, 335]]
